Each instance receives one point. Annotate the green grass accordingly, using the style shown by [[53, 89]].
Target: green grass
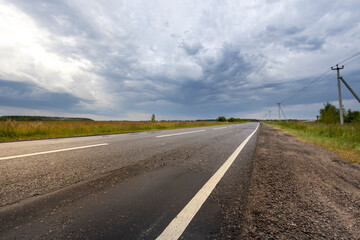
[[343, 140], [22, 130]]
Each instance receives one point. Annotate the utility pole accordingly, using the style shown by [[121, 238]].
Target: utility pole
[[339, 89], [282, 112], [269, 114], [279, 111]]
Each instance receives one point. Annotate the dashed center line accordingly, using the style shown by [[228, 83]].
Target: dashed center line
[[178, 225], [53, 151], [175, 134], [219, 128]]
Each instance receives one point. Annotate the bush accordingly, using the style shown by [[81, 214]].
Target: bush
[[329, 114], [234, 119], [352, 116], [221, 119]]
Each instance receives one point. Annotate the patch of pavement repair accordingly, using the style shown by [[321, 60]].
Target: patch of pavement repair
[[297, 191]]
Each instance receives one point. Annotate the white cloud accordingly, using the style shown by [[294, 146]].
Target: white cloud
[[116, 57], [28, 55]]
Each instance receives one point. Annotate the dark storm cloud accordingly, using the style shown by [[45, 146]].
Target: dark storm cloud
[[178, 58], [273, 30], [305, 43], [18, 94], [292, 38], [191, 48], [222, 77], [293, 30]]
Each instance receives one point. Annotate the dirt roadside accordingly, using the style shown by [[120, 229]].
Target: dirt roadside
[[300, 191]]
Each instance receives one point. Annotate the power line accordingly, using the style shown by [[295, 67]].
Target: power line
[[352, 61], [327, 72], [358, 53], [321, 77]]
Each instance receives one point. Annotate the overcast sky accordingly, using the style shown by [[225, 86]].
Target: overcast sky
[[120, 60]]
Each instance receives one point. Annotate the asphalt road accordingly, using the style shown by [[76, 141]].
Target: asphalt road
[[125, 186]]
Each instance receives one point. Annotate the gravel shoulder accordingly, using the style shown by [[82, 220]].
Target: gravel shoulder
[[300, 191]]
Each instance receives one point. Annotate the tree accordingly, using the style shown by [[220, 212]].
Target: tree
[[153, 118], [329, 114], [352, 116], [234, 119], [221, 119]]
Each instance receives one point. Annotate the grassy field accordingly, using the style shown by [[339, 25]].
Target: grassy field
[[22, 130], [343, 140]]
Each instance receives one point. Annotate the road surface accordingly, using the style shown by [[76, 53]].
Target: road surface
[[160, 184]]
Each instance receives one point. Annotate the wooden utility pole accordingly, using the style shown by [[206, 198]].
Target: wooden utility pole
[[339, 89], [283, 113], [279, 111]]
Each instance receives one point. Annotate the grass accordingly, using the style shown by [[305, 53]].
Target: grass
[[23, 130], [343, 140]]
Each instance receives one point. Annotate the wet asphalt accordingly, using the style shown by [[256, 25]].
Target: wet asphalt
[[129, 189]]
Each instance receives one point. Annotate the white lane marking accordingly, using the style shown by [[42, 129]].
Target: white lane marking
[[53, 151], [175, 134], [182, 220], [219, 128]]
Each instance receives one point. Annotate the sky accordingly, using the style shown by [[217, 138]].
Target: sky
[[179, 60]]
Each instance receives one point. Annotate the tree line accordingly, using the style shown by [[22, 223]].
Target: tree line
[[331, 114], [41, 118], [223, 119]]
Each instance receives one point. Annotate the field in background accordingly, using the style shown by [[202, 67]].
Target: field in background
[[343, 140], [22, 130]]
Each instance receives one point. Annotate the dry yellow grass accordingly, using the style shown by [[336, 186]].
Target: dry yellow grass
[[22, 130], [344, 140]]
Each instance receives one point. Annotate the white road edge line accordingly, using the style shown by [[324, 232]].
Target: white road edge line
[[219, 128], [178, 225], [53, 151], [175, 134]]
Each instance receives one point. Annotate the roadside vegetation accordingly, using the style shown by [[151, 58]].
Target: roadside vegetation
[[223, 119], [328, 133], [22, 130]]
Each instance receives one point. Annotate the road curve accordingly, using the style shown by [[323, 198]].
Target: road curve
[[127, 186]]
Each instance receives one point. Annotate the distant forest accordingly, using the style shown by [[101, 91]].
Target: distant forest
[[41, 118]]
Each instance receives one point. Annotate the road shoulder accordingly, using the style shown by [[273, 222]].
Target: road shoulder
[[299, 190]]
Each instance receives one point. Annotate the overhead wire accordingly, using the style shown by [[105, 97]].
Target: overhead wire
[[357, 59], [307, 87], [313, 83], [356, 54]]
